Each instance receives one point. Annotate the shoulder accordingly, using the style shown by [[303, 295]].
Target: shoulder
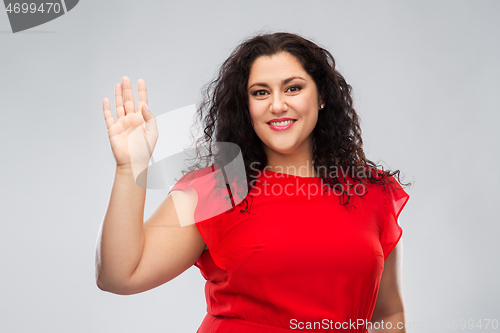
[[193, 174]]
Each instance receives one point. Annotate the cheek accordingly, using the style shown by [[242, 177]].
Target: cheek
[[308, 110], [308, 104], [255, 111]]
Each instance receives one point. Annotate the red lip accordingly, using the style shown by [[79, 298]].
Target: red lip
[[279, 119]]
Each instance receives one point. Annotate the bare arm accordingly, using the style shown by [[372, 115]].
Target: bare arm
[[169, 249], [133, 256], [121, 236], [390, 305]]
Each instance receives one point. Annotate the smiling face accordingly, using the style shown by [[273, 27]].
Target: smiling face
[[279, 87]]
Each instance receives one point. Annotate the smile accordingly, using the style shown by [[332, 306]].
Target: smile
[[281, 125]]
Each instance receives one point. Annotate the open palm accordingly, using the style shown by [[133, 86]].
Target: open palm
[[133, 136]]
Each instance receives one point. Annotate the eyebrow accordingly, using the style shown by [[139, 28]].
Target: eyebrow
[[283, 82]]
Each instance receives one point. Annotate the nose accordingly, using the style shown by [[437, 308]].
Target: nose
[[278, 104]]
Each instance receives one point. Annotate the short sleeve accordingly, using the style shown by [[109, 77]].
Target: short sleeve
[[395, 198], [211, 203]]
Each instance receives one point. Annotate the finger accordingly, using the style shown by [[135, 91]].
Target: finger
[[128, 96], [143, 94], [108, 117], [120, 111]]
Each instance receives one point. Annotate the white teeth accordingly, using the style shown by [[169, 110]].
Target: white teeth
[[282, 123]]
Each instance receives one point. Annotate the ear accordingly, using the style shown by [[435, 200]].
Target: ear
[[321, 103]]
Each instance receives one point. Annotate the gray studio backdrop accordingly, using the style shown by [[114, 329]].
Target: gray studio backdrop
[[425, 83]]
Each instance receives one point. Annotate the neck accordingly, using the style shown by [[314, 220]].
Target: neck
[[298, 163]]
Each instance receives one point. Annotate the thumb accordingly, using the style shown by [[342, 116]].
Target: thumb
[[150, 120], [146, 113]]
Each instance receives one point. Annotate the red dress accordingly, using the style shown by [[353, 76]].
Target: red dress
[[298, 259]]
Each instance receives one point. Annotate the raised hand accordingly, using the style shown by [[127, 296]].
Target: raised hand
[[133, 136]]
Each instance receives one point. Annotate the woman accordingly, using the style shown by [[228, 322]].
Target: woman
[[313, 246]]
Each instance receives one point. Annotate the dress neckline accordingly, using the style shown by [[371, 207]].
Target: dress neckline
[[276, 174]]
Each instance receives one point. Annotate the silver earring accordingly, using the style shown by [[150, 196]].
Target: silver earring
[[321, 106]]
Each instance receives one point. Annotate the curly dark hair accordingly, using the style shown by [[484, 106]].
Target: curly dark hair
[[224, 113]]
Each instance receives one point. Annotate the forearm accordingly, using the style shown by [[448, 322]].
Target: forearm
[[391, 323], [121, 238]]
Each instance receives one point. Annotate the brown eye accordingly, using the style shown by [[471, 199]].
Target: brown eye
[[295, 88], [259, 93]]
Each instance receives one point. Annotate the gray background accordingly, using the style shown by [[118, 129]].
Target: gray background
[[425, 83]]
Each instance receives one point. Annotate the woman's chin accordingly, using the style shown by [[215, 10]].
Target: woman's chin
[[282, 149]]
